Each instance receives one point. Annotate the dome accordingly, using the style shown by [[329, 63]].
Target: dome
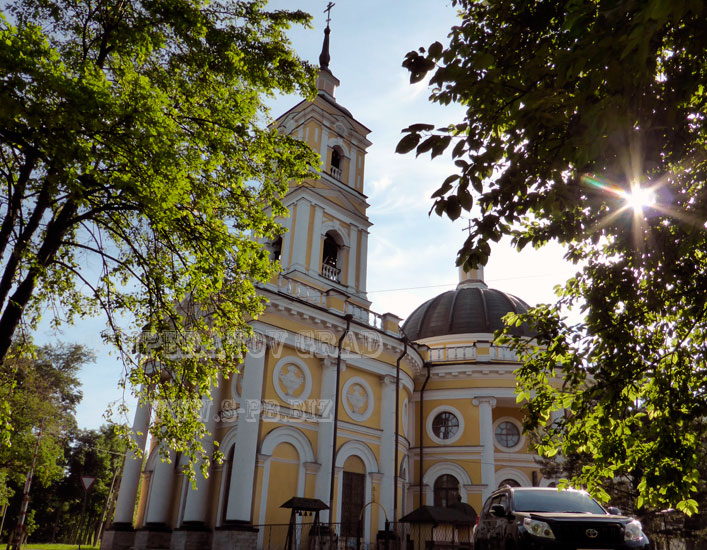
[[471, 308]]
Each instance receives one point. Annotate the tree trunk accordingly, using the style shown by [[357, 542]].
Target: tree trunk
[[56, 230]]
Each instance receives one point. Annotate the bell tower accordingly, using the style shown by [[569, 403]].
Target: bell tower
[[326, 245]]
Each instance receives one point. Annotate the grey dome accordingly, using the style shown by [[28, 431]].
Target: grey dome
[[471, 308]]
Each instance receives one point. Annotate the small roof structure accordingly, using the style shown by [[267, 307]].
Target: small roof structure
[[440, 514], [305, 504]]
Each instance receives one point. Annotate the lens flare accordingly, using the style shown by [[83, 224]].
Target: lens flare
[[640, 198]]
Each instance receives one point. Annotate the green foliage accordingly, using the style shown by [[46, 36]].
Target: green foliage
[[95, 453], [569, 106], [133, 139], [42, 395]]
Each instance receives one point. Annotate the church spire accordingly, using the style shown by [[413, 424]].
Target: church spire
[[327, 82], [324, 57]]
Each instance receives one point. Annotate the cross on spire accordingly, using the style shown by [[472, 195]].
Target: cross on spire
[[468, 227], [328, 12], [324, 57]]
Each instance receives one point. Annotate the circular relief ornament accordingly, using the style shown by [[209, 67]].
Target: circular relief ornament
[[292, 380], [358, 399]]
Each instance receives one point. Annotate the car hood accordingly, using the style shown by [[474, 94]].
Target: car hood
[[570, 516]]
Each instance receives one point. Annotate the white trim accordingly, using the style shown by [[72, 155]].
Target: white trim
[[335, 227], [521, 439], [262, 519], [338, 142], [432, 415], [467, 393], [511, 473], [359, 449], [302, 366], [446, 468], [366, 414], [406, 417], [293, 436], [228, 441]]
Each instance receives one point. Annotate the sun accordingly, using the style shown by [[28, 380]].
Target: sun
[[639, 198]]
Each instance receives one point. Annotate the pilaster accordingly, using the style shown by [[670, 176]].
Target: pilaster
[[387, 449], [325, 439], [488, 467], [240, 496]]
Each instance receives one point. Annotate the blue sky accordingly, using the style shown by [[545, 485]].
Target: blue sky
[[411, 254]]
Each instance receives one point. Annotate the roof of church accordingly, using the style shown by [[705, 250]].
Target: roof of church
[[471, 308]]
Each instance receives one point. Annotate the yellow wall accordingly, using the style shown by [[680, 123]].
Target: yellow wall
[[282, 485]]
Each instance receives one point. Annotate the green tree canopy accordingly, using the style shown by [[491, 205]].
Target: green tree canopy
[[137, 172], [570, 106], [42, 390]]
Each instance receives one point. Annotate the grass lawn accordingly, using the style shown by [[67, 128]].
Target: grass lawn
[[47, 546]]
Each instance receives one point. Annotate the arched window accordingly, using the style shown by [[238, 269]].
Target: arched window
[[336, 163], [509, 483], [446, 490], [330, 259], [276, 249]]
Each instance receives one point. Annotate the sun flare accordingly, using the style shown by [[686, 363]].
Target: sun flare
[[639, 198]]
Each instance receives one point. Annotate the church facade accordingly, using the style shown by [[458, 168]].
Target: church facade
[[336, 404]]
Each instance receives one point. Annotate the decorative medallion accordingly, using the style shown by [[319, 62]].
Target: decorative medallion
[[357, 399], [292, 380]]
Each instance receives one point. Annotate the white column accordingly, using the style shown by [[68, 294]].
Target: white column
[[125, 507], [363, 266], [387, 467], [353, 264], [315, 263], [161, 491], [299, 234], [488, 467], [240, 495], [197, 501], [325, 439]]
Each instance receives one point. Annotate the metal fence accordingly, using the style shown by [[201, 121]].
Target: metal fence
[[399, 536]]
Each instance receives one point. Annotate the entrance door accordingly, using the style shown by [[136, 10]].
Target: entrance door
[[353, 493]]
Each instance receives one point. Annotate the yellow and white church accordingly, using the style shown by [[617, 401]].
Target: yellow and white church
[[361, 417]]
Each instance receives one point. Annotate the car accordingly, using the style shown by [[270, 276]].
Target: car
[[538, 518]]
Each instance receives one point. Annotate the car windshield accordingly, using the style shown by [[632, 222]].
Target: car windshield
[[556, 501]]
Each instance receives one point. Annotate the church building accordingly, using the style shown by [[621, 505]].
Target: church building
[[346, 416]]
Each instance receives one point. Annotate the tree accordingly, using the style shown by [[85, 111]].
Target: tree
[[44, 391], [133, 140], [96, 453], [42, 396], [571, 107]]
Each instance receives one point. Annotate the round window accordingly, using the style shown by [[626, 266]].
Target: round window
[[507, 434], [445, 425]]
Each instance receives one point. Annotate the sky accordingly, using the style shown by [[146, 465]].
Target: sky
[[411, 253]]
